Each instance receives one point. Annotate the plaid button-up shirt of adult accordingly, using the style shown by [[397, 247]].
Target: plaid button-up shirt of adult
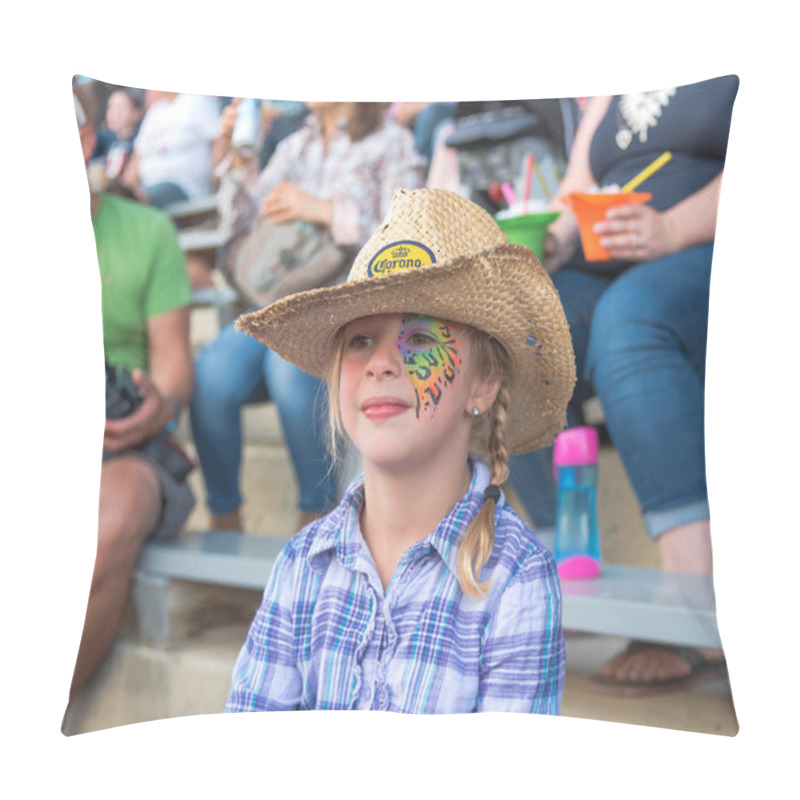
[[327, 635], [358, 177]]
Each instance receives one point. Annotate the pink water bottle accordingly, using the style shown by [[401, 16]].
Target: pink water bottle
[[577, 539]]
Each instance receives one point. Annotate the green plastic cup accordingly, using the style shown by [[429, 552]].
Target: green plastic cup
[[528, 229]]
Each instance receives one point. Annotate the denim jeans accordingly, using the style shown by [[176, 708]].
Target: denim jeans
[[640, 346], [235, 370]]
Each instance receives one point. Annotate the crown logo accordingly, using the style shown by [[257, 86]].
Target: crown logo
[[400, 252]]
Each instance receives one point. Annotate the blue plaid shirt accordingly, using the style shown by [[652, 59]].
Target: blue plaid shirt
[[327, 636]]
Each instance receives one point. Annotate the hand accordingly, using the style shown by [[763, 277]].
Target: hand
[[287, 202], [223, 142], [149, 418], [636, 233], [561, 241]]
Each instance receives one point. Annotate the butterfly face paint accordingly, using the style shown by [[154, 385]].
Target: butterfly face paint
[[431, 358]]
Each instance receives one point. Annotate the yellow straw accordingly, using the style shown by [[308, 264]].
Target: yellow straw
[[540, 178], [647, 172]]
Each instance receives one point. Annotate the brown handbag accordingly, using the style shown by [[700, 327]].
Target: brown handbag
[[272, 261]]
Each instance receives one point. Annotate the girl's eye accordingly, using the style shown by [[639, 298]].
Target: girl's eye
[[359, 341], [422, 339]]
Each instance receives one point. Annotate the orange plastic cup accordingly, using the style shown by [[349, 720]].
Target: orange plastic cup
[[590, 208]]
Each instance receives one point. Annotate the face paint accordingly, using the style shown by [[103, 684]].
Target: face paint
[[430, 357]]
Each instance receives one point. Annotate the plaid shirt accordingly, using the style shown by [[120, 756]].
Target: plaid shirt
[[358, 177], [327, 636]]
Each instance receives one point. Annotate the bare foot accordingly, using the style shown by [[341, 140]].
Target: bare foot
[[644, 663]]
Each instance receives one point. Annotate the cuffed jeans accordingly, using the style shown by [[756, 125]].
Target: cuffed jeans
[[640, 346], [236, 370]]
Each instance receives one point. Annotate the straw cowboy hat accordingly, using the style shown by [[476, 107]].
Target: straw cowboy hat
[[440, 255]]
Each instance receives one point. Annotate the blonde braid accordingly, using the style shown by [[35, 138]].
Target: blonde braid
[[478, 541], [498, 452]]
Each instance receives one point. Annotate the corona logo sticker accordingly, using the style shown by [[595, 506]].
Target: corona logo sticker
[[398, 256]]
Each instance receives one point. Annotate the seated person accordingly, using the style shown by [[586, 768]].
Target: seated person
[[171, 158], [143, 492], [639, 323], [337, 171], [124, 111]]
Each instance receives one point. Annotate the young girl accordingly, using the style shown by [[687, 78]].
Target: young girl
[[446, 351]]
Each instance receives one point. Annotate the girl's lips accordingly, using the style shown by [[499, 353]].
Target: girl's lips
[[383, 407]]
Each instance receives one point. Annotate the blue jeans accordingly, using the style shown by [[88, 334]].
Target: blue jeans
[[235, 370], [640, 345]]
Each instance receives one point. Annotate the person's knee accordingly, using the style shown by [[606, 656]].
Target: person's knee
[[229, 372], [130, 506], [297, 394], [624, 330], [214, 387]]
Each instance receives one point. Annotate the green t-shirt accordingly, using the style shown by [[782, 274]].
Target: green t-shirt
[[142, 273]]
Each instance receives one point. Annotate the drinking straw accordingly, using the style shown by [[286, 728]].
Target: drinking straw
[[508, 193], [647, 172], [532, 166], [528, 172]]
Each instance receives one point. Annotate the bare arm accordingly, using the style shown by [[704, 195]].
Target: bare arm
[[693, 221], [171, 362], [578, 178]]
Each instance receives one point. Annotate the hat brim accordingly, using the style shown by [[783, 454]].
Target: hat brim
[[504, 292]]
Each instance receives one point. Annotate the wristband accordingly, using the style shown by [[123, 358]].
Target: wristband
[[176, 412]]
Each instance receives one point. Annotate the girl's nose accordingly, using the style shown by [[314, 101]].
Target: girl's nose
[[385, 359]]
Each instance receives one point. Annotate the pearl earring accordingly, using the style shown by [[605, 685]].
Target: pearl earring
[[476, 412]]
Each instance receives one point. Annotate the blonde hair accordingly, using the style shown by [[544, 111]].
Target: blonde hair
[[489, 360]]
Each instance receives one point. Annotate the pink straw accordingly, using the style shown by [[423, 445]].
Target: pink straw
[[528, 177], [508, 193]]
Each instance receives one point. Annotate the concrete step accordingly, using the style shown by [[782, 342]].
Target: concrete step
[[137, 683]]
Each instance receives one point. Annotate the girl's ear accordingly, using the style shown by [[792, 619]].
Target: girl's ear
[[483, 394]]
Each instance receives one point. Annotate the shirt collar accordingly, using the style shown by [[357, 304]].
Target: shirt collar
[[339, 532]]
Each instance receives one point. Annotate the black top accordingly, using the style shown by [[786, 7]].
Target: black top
[[692, 122]]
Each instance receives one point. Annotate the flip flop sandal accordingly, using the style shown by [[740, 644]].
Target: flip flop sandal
[[702, 669]]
